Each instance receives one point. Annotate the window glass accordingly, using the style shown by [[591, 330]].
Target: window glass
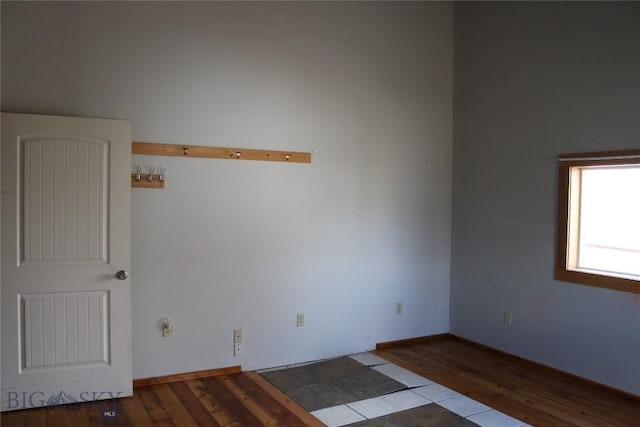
[[610, 220]]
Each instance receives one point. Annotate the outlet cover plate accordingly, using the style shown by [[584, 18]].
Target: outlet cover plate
[[507, 318]]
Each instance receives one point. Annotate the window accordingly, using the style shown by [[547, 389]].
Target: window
[[598, 237]]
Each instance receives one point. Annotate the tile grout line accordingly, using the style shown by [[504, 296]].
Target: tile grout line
[[356, 411]]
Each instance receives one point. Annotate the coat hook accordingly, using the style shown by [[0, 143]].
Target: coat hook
[[288, 157], [150, 170], [237, 154], [138, 172], [185, 151]]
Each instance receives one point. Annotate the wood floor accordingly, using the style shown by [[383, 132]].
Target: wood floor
[[538, 395], [534, 394]]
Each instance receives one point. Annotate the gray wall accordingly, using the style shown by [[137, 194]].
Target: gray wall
[[366, 86], [533, 80]]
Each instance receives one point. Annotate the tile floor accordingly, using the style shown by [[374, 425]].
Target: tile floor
[[340, 392]]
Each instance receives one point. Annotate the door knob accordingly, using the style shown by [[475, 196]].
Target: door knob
[[122, 274]]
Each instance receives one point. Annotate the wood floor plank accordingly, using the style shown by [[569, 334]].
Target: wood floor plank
[[75, 414], [246, 399], [55, 413], [172, 405], [24, 418], [191, 404], [93, 412], [217, 401], [13, 418], [154, 407], [235, 407], [134, 410]]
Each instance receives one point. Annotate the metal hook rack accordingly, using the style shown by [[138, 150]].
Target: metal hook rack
[[149, 179]]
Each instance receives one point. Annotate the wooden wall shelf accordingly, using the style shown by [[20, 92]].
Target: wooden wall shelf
[[155, 149], [176, 150]]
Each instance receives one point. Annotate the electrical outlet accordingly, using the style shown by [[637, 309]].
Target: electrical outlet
[[237, 336], [237, 349], [167, 327], [398, 308], [300, 320], [507, 318]]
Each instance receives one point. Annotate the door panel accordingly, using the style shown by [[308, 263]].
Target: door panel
[[66, 319], [64, 329], [64, 200]]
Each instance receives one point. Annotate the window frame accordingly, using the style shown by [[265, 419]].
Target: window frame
[[565, 164]]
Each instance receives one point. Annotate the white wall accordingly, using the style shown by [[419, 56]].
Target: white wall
[[229, 244], [533, 80]]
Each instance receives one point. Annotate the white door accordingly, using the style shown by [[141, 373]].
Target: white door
[[66, 317]]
